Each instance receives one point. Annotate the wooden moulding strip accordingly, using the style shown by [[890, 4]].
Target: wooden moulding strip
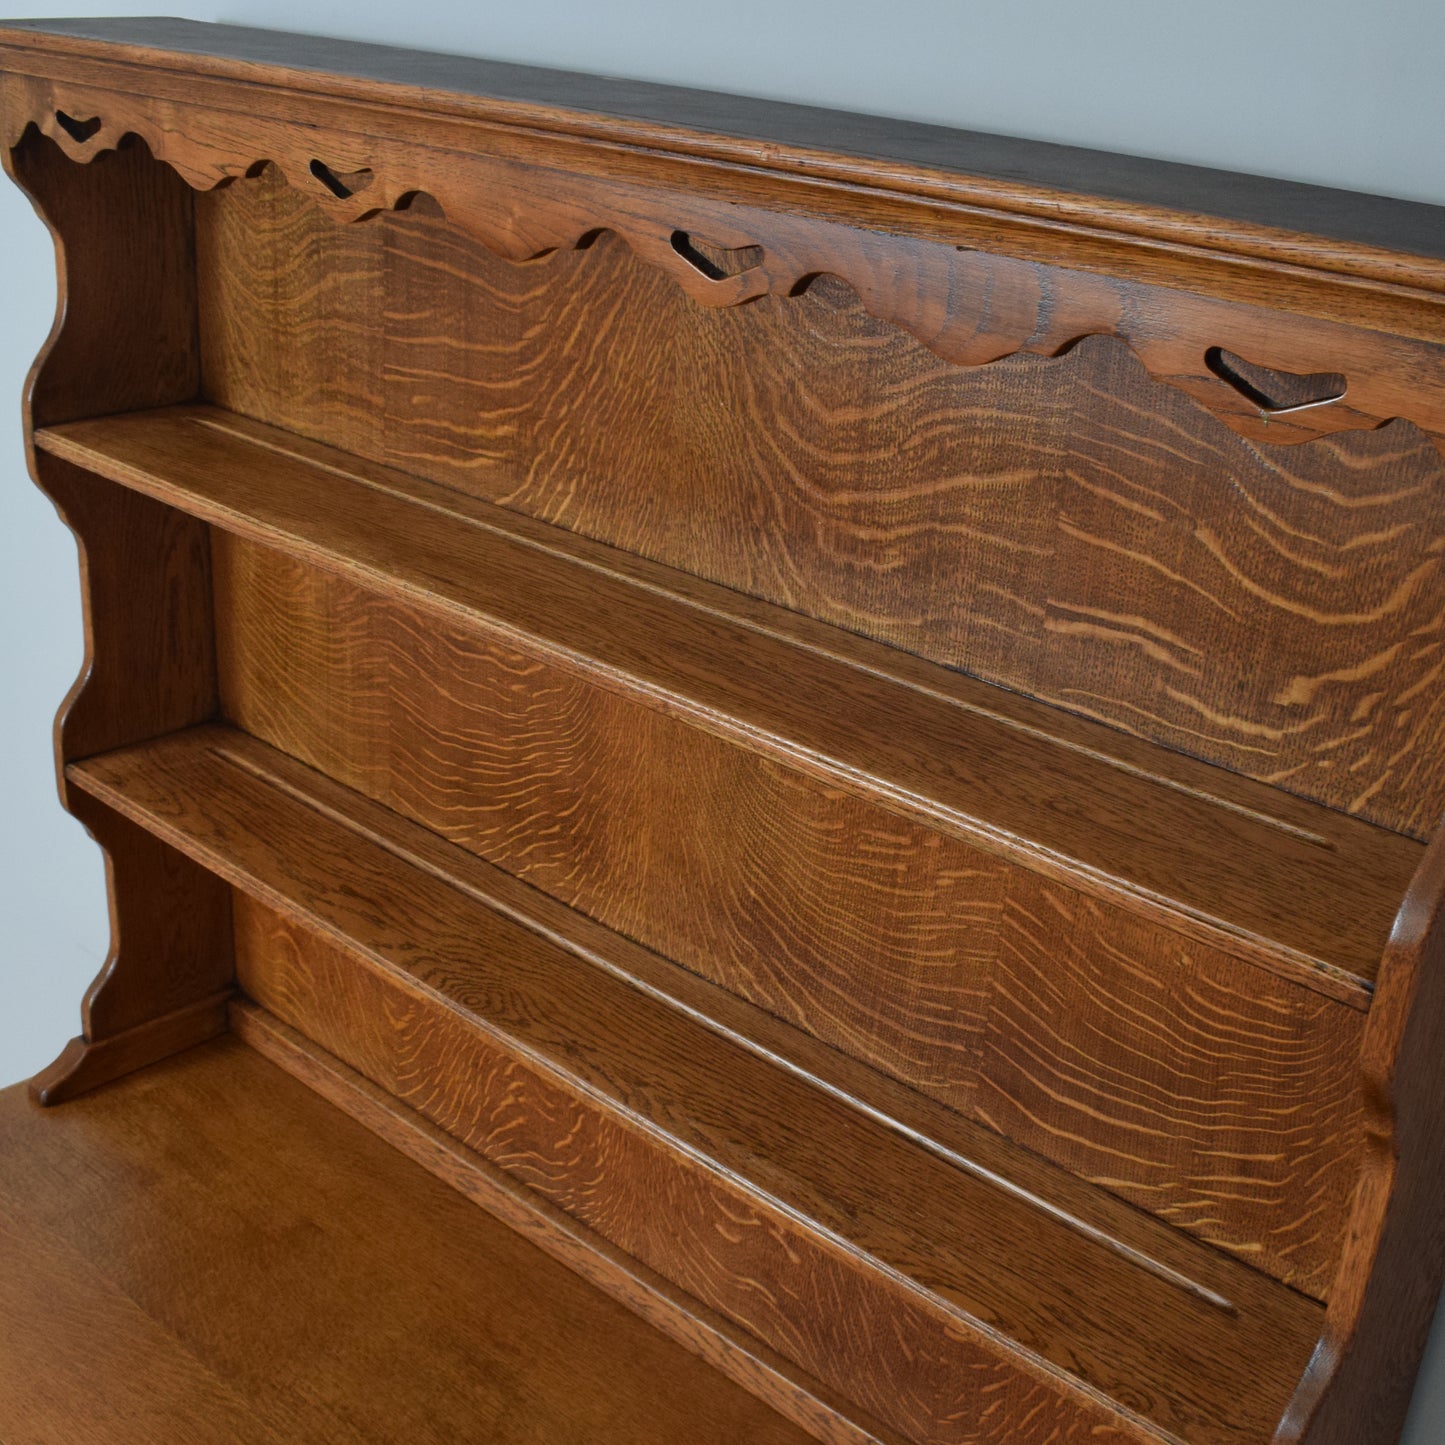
[[1140, 203], [86, 1064]]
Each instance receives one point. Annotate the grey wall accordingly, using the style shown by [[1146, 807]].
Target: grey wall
[[1315, 90]]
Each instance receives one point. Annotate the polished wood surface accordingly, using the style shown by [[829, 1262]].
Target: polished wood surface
[[87, 1064], [740, 1356], [125, 334], [783, 136], [125, 337], [1011, 999], [1186, 854], [209, 1252], [838, 723], [929, 291], [1387, 1289], [431, 988], [526, 190], [1064, 527]]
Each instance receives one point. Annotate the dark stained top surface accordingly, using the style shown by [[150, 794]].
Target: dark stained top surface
[[1347, 216]]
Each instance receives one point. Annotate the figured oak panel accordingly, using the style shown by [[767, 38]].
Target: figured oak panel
[[1176, 1362], [1067, 527], [517, 1102], [1284, 883], [968, 305], [421, 926], [1104, 566], [1109, 1044], [1239, 1119], [606, 1099], [967, 607], [867, 930]]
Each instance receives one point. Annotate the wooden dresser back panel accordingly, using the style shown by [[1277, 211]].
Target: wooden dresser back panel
[[932, 1059], [1067, 527], [1220, 1096]]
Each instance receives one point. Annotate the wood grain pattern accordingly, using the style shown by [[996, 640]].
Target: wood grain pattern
[[929, 1380], [679, 117], [83, 1065], [1064, 527], [170, 929], [150, 656], [208, 1251], [1360, 1380], [1170, 1075], [149, 668], [125, 328], [1287, 269], [972, 1148], [1007, 999], [125, 336], [739, 1356], [890, 570], [1300, 890], [154, 1389], [969, 304], [556, 1038]]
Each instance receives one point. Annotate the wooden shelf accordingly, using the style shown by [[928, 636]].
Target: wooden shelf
[[592, 1048], [210, 1252], [1303, 890], [845, 734]]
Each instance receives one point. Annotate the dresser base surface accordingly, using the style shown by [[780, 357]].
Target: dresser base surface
[[209, 1251]]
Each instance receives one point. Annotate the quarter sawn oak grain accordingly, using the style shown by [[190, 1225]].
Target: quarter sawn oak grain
[[975, 982], [954, 766], [838, 722], [551, 1039], [1064, 527]]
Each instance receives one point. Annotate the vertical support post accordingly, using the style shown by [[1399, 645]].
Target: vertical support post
[[125, 338], [1360, 1380]]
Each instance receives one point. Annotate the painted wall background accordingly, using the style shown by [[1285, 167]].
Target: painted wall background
[[1312, 90]]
